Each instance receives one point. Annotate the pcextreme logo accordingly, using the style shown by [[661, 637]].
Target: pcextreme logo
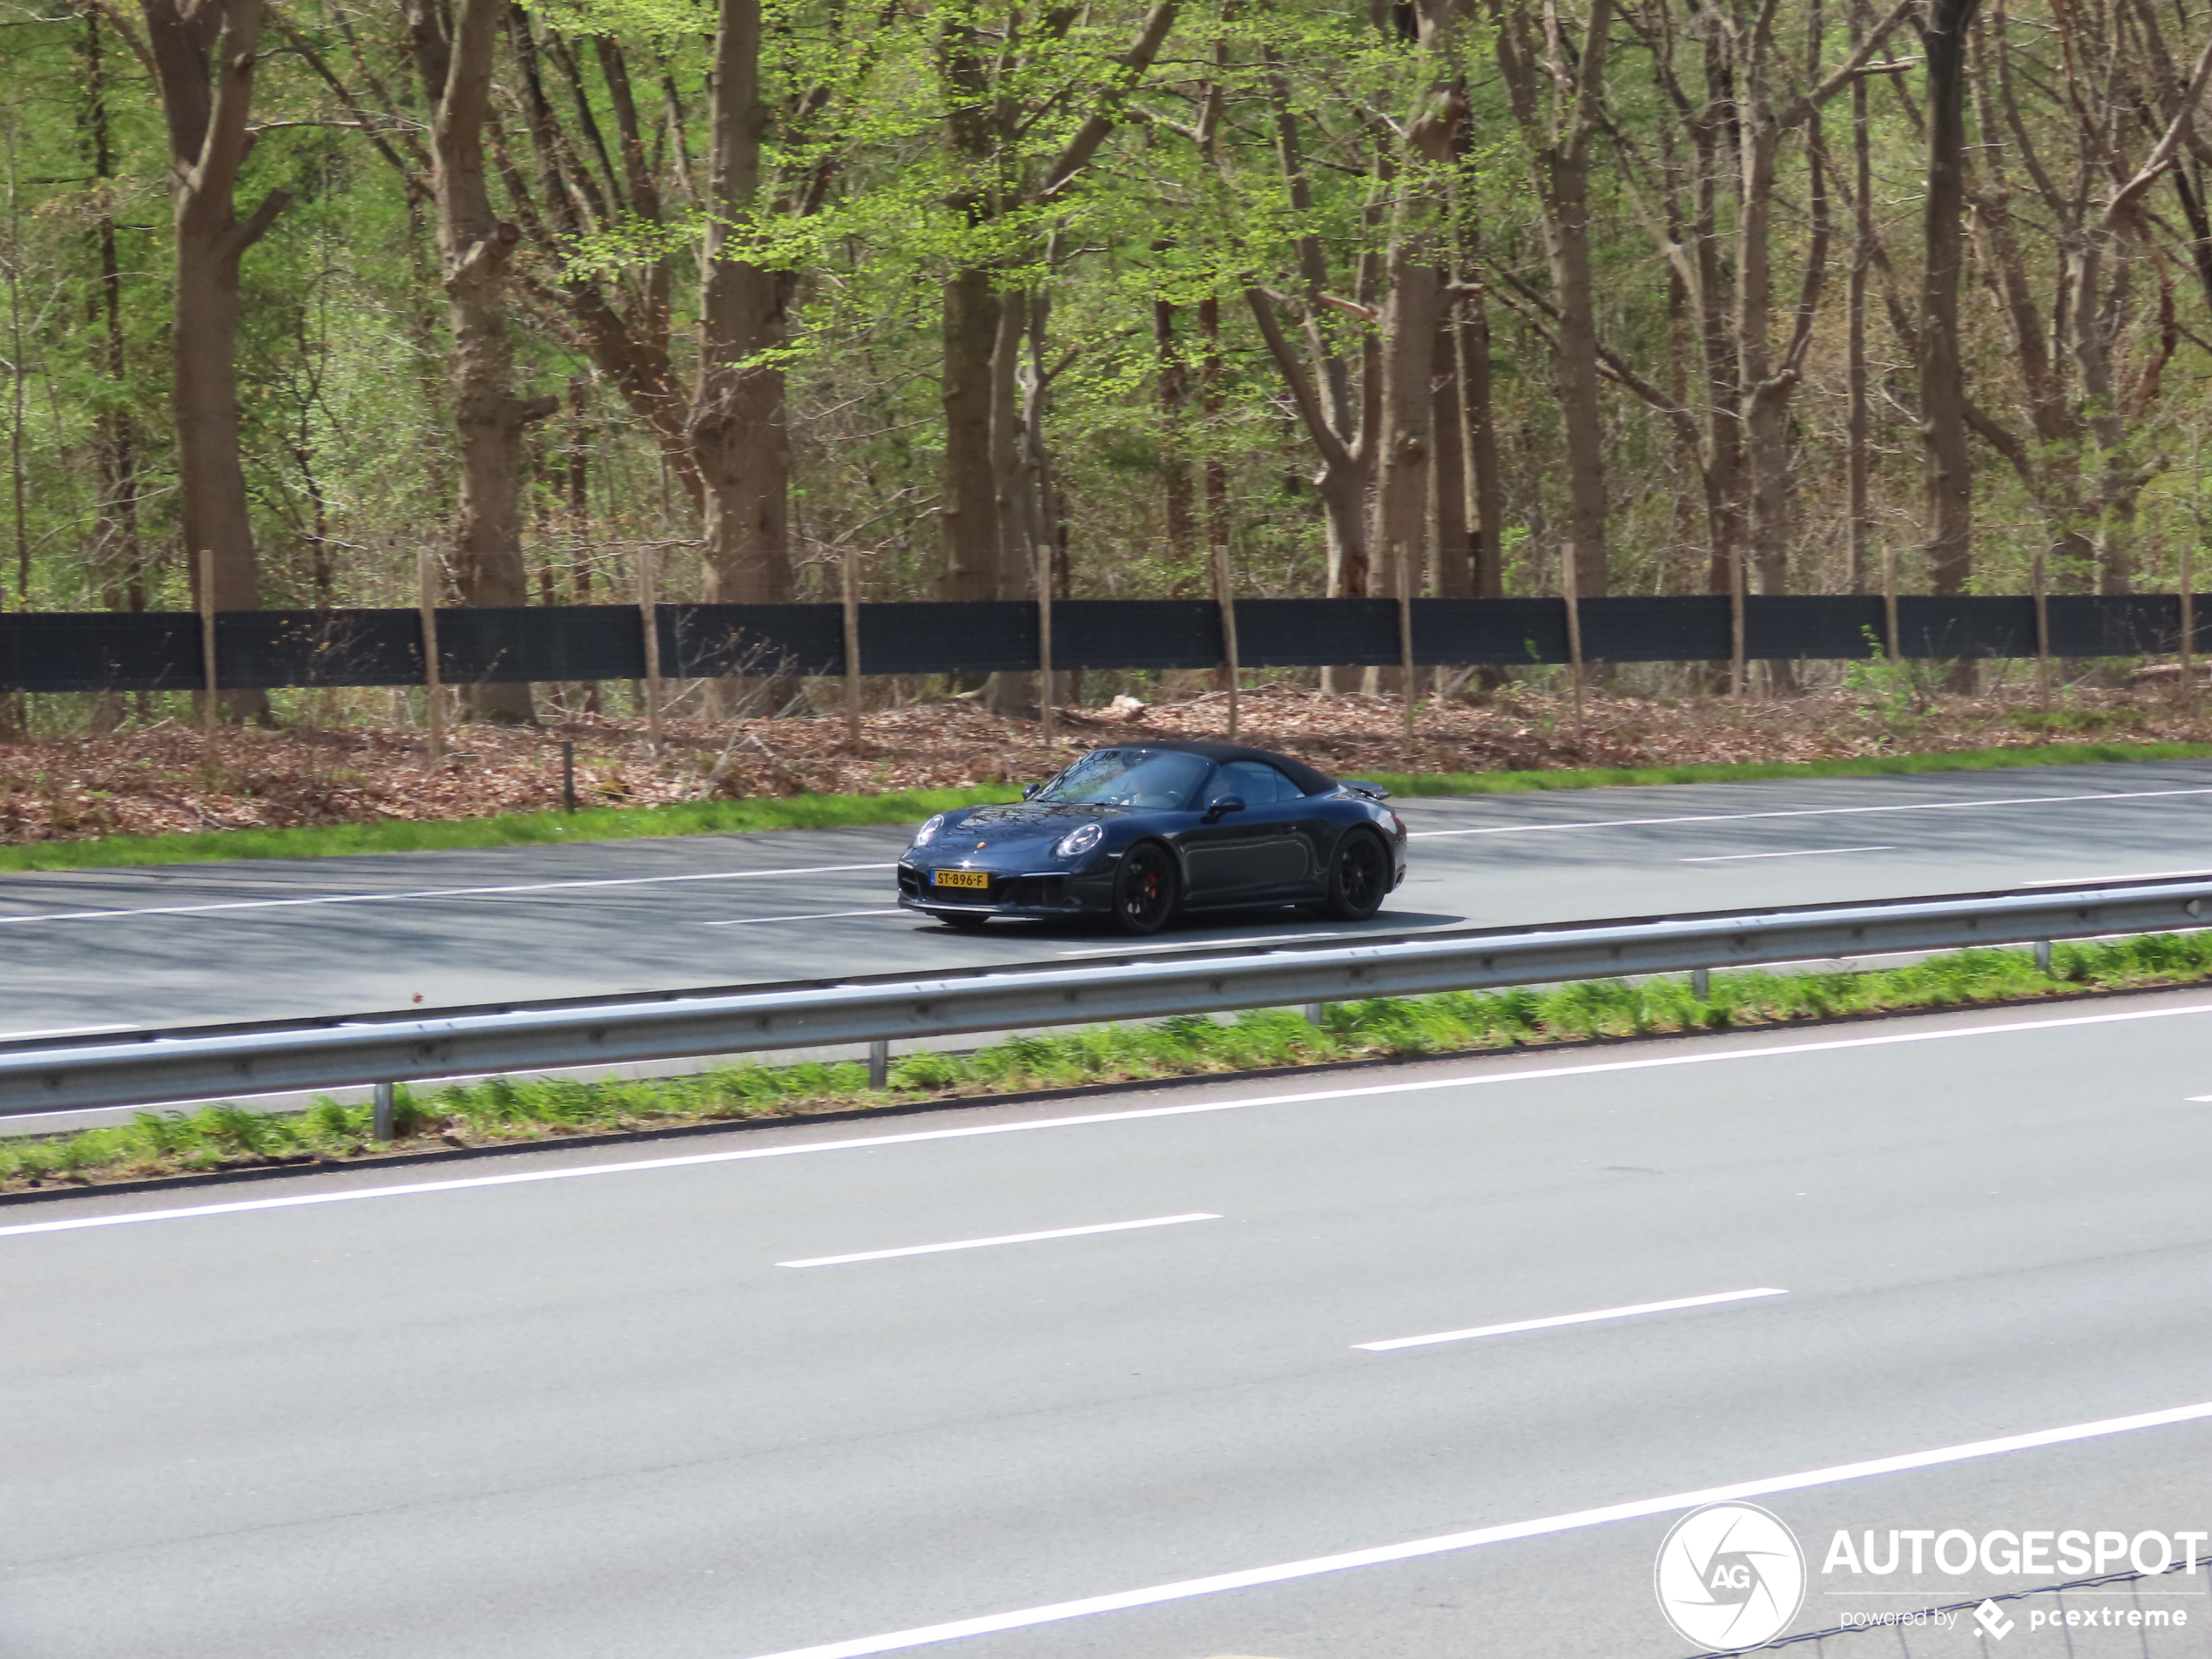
[[1730, 1575]]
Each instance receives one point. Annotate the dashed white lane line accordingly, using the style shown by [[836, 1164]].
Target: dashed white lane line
[[1475, 1538], [1003, 1238], [1203, 944], [1188, 1108], [1558, 1319], [814, 915], [1805, 853], [1811, 812], [428, 892], [2093, 880], [65, 1031], [1262, 939]]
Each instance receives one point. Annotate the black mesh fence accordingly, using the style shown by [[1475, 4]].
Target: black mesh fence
[[107, 652]]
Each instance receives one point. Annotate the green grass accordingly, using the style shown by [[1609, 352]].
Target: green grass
[[2038, 754], [507, 1110], [837, 812], [507, 829]]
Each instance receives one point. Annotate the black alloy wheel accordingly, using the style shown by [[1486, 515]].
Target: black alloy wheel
[[1145, 888], [967, 921], [1358, 877]]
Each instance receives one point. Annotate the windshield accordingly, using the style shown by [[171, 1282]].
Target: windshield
[[1163, 779]]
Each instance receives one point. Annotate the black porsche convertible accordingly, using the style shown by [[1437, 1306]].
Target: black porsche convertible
[[1142, 831]]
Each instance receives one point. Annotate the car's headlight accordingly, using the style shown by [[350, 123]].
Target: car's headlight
[[1080, 839], [927, 833]]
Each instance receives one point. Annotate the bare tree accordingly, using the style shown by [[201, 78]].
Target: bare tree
[[1420, 228], [203, 55], [738, 429], [1555, 81], [1943, 374], [474, 245]]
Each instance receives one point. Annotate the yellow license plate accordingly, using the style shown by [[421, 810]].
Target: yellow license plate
[[962, 879]]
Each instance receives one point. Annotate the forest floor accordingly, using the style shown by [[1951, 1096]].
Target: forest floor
[[164, 778]]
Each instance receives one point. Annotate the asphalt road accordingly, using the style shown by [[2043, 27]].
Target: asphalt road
[[625, 1406], [105, 949]]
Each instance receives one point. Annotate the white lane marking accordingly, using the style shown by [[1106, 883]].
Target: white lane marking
[[1003, 1238], [1808, 852], [1313, 1567], [2093, 881], [1813, 811], [1557, 1319], [65, 1031], [1191, 1108], [1205, 944], [1264, 939], [428, 892], [819, 915]]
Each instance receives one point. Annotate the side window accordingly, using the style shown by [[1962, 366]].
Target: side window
[[1259, 783]]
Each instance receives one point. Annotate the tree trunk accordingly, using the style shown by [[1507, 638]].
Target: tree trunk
[[1210, 370], [205, 58], [1485, 503], [1012, 496], [1447, 482], [473, 248], [739, 427], [1566, 241], [969, 508], [1856, 421], [120, 555], [1942, 380], [1409, 417], [1556, 93], [1411, 313], [1177, 499]]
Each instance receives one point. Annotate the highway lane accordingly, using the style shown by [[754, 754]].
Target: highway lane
[[599, 1410], [82, 950]]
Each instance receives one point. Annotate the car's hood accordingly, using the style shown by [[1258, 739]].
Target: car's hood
[[1014, 824]]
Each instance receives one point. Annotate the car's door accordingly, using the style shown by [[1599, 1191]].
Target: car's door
[[1255, 852]]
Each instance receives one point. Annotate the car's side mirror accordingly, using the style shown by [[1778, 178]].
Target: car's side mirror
[[1029, 791], [1217, 809]]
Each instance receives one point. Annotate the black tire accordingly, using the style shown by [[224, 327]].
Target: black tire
[[1146, 888], [965, 922], [1358, 877]]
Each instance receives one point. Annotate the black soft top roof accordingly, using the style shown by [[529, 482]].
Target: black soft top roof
[[1309, 780]]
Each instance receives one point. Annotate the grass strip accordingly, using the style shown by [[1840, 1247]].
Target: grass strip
[[2040, 754], [505, 1111], [844, 811], [506, 829]]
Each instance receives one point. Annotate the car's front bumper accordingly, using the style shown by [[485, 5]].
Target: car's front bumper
[[1040, 893]]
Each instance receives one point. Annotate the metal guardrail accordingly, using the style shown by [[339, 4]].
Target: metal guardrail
[[153, 1068]]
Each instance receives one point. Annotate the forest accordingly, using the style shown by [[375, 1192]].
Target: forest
[[944, 297]]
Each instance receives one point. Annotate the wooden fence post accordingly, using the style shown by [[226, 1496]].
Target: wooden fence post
[[852, 648], [1739, 670], [2043, 635], [1403, 570], [434, 713], [2189, 626], [1889, 601], [1224, 597], [211, 698], [1047, 713], [1570, 590], [648, 615]]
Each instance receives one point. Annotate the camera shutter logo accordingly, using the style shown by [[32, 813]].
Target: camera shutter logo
[[1730, 1575]]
